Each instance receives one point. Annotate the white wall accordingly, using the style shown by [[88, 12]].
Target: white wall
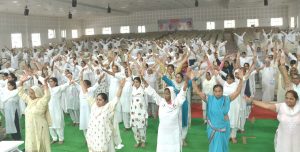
[[199, 15], [294, 11], [11, 23]]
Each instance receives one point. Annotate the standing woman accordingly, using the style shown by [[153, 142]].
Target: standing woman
[[10, 109], [71, 98], [169, 130], [208, 84], [100, 129], [87, 91], [177, 85], [37, 119], [218, 105], [229, 87], [138, 113], [126, 99], [287, 137], [56, 110], [114, 77]]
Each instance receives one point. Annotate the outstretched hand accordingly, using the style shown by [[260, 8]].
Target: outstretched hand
[[24, 78], [240, 74]]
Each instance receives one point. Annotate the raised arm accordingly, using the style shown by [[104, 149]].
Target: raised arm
[[112, 104], [284, 73], [109, 72], [181, 97], [83, 87], [243, 34], [262, 104], [21, 89], [237, 92], [196, 88], [46, 97]]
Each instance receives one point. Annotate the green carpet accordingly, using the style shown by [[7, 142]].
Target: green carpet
[[263, 130]]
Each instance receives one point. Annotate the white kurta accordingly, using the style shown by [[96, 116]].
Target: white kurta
[[71, 97], [85, 107], [100, 128], [152, 81], [268, 83], [280, 90], [169, 130], [114, 84], [138, 108], [55, 106], [126, 96], [14, 61], [287, 138], [9, 103], [234, 110], [207, 87], [113, 87]]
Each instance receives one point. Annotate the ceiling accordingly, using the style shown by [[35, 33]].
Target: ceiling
[[60, 8]]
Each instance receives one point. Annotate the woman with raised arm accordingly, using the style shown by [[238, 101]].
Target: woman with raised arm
[[114, 77], [169, 131], [287, 137], [9, 107], [87, 91], [218, 125], [56, 111], [100, 129], [37, 118], [177, 85]]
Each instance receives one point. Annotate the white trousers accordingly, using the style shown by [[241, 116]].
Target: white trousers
[[184, 132], [116, 133], [126, 119], [57, 132], [233, 132], [139, 134], [84, 132], [74, 114], [152, 109], [118, 115]]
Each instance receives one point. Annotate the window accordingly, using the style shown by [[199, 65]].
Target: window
[[51, 33], [210, 25], [36, 39], [252, 22], [16, 40], [292, 22], [141, 29], [106, 30], [89, 31], [276, 21], [63, 33], [74, 34], [229, 24], [124, 29]]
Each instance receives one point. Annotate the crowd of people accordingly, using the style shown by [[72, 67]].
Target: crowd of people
[[103, 82]]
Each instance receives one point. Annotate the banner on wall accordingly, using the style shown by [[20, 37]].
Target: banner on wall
[[175, 24]]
